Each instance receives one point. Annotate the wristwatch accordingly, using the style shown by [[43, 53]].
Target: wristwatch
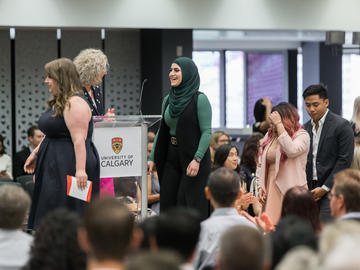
[[197, 159]]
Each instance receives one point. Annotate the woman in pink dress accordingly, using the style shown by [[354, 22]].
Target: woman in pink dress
[[283, 159]]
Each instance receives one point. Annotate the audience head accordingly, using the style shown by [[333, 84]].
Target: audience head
[[291, 232], [259, 110], [92, 65], [299, 201], [299, 258], [107, 230], [242, 248], [357, 140], [63, 81], [14, 206], [334, 233], [251, 151], [55, 243], [345, 193], [159, 260], [35, 136], [149, 228], [178, 230], [316, 101], [356, 112], [223, 187], [227, 156], [2, 146], [219, 138]]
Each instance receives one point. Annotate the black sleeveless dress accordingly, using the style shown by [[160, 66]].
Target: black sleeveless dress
[[56, 159]]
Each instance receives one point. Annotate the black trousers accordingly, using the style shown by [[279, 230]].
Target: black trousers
[[178, 189], [323, 204]]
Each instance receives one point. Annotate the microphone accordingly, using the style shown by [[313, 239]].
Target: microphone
[[141, 92]]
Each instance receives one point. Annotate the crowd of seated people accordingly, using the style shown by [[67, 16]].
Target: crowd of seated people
[[317, 221]]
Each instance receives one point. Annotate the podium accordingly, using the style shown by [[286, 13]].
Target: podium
[[121, 142]]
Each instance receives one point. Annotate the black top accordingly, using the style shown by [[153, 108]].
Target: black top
[[97, 109]]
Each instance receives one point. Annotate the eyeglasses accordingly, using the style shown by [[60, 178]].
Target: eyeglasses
[[224, 141]]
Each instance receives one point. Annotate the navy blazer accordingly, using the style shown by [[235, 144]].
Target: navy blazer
[[97, 110], [335, 150]]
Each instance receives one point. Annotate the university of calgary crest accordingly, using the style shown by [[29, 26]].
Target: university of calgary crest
[[117, 144]]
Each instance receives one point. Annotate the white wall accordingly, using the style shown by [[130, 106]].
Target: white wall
[[197, 14]]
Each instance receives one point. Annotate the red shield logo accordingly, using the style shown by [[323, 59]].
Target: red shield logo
[[117, 144]]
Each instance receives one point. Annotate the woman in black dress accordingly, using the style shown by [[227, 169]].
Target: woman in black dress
[[67, 148]]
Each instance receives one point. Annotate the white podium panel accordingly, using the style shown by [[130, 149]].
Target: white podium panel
[[119, 151]]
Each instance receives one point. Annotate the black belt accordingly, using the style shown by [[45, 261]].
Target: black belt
[[173, 141]]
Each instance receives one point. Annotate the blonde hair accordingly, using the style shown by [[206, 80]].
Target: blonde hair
[[356, 113], [90, 63], [215, 138], [67, 83]]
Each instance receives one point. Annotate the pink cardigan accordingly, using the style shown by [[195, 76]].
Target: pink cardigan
[[291, 172]]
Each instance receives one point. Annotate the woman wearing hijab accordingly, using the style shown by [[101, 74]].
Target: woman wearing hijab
[[181, 147]]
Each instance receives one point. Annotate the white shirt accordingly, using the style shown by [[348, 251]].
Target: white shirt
[[315, 144], [5, 164], [14, 249]]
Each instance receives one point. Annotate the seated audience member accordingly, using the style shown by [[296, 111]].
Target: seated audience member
[[5, 161], [153, 182], [56, 245], [35, 136], [218, 138], [228, 156], [146, 260], [107, 233], [355, 119], [148, 227], [345, 195], [222, 190], [291, 232], [262, 110], [242, 247], [178, 230], [299, 258], [341, 233], [14, 244], [151, 137], [355, 164]]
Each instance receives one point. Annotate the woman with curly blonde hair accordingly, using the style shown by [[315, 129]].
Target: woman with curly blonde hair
[[67, 148], [92, 65]]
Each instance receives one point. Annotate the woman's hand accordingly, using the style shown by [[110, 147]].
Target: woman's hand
[[81, 179], [262, 196], [244, 201], [265, 223], [193, 168], [30, 163], [275, 118], [150, 165]]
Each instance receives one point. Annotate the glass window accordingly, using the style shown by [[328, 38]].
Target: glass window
[[350, 83], [235, 89], [264, 79], [208, 64]]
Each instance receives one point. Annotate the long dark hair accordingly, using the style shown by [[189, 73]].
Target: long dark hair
[[250, 151], [2, 151], [259, 111], [298, 201], [222, 154]]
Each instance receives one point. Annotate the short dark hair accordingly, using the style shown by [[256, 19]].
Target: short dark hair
[[224, 185], [259, 110], [149, 260], [109, 226], [31, 131], [242, 247], [55, 243], [347, 183], [291, 231], [14, 204], [316, 89], [178, 229]]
